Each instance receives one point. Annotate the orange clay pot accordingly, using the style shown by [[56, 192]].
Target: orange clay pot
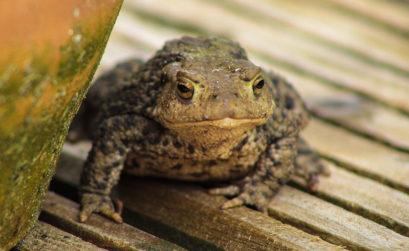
[[49, 51]]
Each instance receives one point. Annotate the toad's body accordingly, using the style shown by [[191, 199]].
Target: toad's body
[[199, 110]]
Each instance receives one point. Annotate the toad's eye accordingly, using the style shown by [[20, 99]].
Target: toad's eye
[[185, 90], [258, 85]]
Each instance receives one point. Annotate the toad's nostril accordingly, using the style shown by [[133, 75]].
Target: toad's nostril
[[236, 94], [215, 96]]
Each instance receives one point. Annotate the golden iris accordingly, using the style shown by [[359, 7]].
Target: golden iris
[[185, 89], [258, 85]]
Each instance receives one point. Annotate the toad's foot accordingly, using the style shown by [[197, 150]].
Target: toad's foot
[[95, 203], [246, 192]]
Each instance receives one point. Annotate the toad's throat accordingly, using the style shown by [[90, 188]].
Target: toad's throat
[[225, 123]]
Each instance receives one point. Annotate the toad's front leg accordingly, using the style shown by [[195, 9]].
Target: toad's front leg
[[273, 170], [115, 137]]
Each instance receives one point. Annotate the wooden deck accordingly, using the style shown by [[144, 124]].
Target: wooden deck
[[350, 62]]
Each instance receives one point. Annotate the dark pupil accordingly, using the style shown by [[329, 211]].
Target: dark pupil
[[260, 84], [183, 88]]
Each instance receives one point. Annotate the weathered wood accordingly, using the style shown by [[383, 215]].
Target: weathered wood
[[103, 232], [46, 237], [189, 216], [336, 26], [190, 210], [366, 197], [359, 154], [355, 112], [333, 223]]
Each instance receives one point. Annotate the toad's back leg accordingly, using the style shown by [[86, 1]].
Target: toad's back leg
[[308, 164]]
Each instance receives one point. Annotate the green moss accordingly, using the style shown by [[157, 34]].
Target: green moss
[[37, 105], [77, 53]]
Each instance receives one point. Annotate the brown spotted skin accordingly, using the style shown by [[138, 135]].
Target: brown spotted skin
[[146, 127]]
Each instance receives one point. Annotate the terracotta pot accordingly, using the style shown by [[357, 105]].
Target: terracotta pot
[[48, 53]]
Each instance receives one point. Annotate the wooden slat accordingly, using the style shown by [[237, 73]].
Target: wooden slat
[[333, 223], [329, 22], [332, 65], [46, 237], [356, 113], [189, 216], [366, 197], [359, 154], [189, 210], [63, 213]]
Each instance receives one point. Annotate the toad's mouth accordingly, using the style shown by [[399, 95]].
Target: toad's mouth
[[222, 123]]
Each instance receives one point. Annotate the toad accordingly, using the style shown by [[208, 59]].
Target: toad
[[198, 110]]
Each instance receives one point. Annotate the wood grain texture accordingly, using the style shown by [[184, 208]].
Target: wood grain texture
[[333, 223], [343, 27], [189, 210], [63, 213], [359, 154], [366, 197], [46, 237]]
